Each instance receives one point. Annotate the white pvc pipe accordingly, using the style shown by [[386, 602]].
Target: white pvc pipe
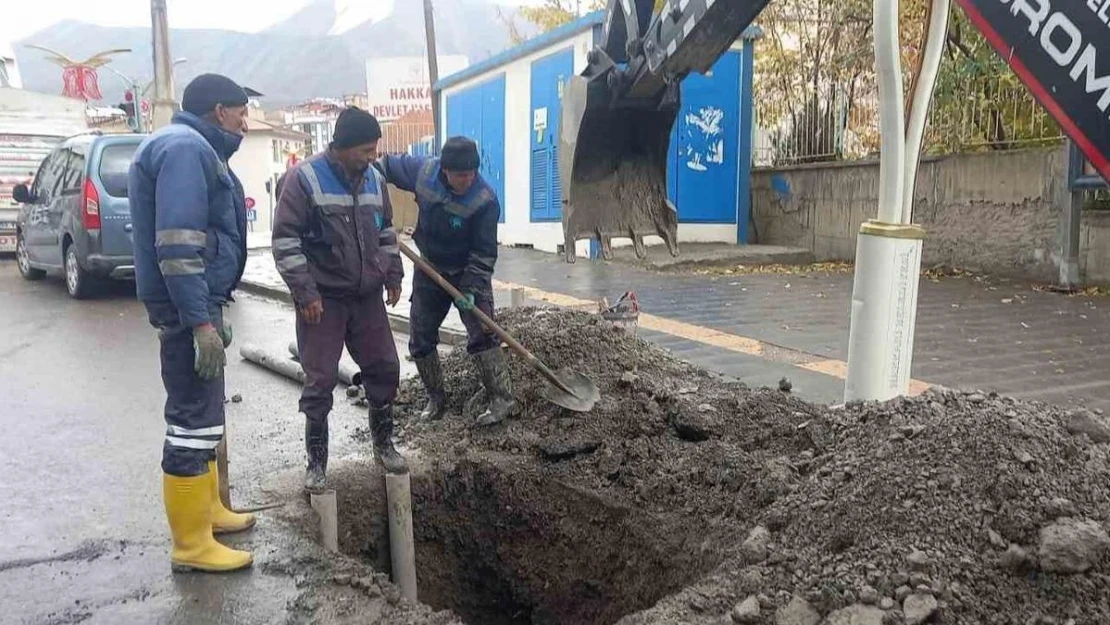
[[324, 504], [922, 95], [888, 65], [883, 317], [401, 547]]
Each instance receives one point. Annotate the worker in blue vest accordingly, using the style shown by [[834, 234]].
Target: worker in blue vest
[[190, 227], [456, 232]]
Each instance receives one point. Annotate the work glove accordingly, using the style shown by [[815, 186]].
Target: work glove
[[465, 303], [225, 333], [209, 348]]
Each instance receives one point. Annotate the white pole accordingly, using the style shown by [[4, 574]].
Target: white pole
[[884, 311], [401, 547], [888, 65], [919, 108], [888, 250], [164, 104]]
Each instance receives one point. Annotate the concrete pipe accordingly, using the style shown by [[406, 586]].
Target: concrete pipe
[[280, 365], [349, 373]]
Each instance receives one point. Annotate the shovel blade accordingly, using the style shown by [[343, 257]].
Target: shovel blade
[[583, 396]]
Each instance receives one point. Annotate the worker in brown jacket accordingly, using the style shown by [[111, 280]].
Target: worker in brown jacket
[[336, 248]]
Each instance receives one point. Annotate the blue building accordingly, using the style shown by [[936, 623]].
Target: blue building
[[510, 105]]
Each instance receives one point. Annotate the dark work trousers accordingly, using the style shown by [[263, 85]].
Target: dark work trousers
[[362, 324], [194, 407], [430, 305]]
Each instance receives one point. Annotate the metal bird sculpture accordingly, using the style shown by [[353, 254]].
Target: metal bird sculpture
[[80, 78]]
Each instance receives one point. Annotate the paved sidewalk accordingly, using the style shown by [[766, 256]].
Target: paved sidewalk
[[972, 332], [983, 333]]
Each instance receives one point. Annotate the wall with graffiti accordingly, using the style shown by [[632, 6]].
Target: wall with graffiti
[[703, 177]]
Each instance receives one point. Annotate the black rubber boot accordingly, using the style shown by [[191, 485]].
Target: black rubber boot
[[381, 429], [498, 385], [432, 376], [316, 445]]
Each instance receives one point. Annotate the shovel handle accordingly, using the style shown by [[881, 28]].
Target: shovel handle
[[513, 344]]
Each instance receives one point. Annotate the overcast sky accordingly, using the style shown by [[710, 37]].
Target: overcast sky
[[20, 18]]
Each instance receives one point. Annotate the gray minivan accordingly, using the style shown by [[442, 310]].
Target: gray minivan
[[75, 218]]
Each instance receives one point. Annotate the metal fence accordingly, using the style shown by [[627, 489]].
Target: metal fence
[[401, 136], [990, 114]]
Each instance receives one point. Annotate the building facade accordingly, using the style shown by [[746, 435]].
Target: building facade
[[262, 158], [316, 119], [510, 105]]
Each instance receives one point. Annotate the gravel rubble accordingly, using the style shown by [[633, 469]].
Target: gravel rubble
[[949, 507]]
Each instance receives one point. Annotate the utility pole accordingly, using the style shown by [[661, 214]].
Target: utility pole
[[164, 104], [433, 70]]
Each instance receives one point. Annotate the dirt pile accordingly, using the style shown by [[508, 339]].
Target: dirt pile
[[752, 506]]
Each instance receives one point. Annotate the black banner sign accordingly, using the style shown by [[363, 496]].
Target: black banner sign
[[1060, 49]]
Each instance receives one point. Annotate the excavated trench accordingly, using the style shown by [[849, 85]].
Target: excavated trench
[[499, 544]]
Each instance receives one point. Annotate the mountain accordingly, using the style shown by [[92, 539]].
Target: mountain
[[313, 53]]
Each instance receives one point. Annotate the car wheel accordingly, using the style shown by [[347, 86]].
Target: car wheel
[[79, 282], [23, 260]]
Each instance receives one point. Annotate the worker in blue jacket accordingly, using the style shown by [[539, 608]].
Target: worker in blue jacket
[[190, 225], [456, 232]]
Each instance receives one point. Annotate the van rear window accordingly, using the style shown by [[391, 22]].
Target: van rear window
[[115, 161]]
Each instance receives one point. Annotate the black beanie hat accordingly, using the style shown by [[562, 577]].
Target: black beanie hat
[[207, 90], [459, 154], [355, 127]]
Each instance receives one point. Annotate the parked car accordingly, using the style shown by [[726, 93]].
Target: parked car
[[75, 218], [31, 125]]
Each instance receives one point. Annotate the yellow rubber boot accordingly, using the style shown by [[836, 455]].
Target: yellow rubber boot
[[188, 503], [225, 521]]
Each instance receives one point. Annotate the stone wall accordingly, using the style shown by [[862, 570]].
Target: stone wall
[[994, 212]]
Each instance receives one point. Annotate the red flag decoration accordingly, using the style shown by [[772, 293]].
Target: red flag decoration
[[80, 79], [81, 82]]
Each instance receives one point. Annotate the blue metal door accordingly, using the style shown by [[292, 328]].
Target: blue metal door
[[492, 143], [478, 112], [703, 170], [549, 74], [464, 114]]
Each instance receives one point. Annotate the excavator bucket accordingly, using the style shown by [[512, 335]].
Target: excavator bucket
[[613, 169], [617, 115]]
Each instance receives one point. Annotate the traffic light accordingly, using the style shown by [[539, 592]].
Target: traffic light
[[130, 109]]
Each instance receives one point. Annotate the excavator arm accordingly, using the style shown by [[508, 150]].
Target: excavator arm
[[618, 113]]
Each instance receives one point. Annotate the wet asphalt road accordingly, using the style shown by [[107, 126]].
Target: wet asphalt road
[[83, 536]]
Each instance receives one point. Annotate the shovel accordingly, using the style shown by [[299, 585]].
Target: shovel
[[569, 389]]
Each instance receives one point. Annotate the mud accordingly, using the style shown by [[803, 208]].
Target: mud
[[684, 494], [498, 542], [620, 191]]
